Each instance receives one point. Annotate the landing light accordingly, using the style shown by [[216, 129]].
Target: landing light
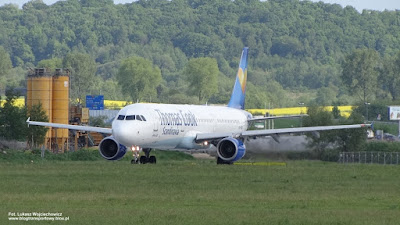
[[135, 148], [205, 143]]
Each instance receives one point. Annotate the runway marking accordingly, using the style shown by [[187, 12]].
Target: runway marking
[[261, 163]]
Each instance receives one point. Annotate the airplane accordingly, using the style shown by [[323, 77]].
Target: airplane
[[142, 127]]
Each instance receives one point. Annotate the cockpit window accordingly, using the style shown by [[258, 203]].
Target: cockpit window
[[130, 117]]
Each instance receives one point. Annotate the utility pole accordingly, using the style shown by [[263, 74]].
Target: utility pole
[[366, 106]]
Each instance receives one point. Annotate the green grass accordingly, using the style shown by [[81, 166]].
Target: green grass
[[200, 192], [20, 156]]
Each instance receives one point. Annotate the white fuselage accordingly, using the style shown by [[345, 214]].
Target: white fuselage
[[174, 126]]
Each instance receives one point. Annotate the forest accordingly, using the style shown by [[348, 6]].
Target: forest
[[298, 50]]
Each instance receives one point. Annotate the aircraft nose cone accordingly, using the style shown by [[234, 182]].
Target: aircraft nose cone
[[122, 134]]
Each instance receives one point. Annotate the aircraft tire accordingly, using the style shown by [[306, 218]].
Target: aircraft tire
[[143, 159], [152, 159]]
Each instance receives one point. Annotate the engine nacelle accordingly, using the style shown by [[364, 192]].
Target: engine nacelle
[[110, 149], [230, 149]]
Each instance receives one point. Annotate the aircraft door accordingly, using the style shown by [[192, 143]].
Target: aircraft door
[[156, 125], [214, 123]]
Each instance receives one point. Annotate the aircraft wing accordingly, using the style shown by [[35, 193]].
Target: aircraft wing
[[273, 132], [71, 127], [253, 133]]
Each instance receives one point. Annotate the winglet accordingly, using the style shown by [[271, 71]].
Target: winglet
[[368, 125], [28, 120], [239, 89]]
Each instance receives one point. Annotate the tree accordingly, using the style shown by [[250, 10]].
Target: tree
[[352, 139], [360, 72], [50, 63], [12, 119], [202, 75], [325, 96], [336, 112], [197, 44], [343, 140], [317, 116], [255, 97], [286, 45], [5, 62], [5, 66], [285, 39], [83, 69], [36, 134], [138, 78], [390, 75], [96, 3]]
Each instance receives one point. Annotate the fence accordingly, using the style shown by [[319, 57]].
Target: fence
[[391, 158]]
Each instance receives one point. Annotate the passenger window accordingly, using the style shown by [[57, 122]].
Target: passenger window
[[144, 119], [131, 117], [139, 118], [121, 117]]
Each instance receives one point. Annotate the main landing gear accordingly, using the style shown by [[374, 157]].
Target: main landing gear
[[145, 158]]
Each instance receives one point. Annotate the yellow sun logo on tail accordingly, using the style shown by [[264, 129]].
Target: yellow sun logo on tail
[[242, 78]]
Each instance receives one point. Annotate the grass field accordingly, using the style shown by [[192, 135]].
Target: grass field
[[200, 192]]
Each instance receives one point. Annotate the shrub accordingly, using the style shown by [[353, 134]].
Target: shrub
[[382, 146]]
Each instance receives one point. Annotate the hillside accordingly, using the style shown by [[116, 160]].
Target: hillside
[[296, 47]]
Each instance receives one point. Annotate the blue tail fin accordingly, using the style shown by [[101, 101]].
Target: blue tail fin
[[239, 89]]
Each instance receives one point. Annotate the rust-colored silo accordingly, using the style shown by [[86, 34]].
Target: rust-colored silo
[[41, 92], [60, 106], [29, 92]]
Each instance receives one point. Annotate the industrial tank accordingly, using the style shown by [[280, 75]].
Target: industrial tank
[[51, 90], [42, 93], [60, 106], [29, 92]]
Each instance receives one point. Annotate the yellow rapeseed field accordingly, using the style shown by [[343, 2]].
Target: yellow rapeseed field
[[345, 111], [20, 102]]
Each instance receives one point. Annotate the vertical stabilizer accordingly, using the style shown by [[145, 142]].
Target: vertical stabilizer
[[239, 89]]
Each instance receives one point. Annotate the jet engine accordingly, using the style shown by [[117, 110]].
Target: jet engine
[[230, 149], [110, 149]]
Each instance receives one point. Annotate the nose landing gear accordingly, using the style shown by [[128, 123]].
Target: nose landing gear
[[135, 150]]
